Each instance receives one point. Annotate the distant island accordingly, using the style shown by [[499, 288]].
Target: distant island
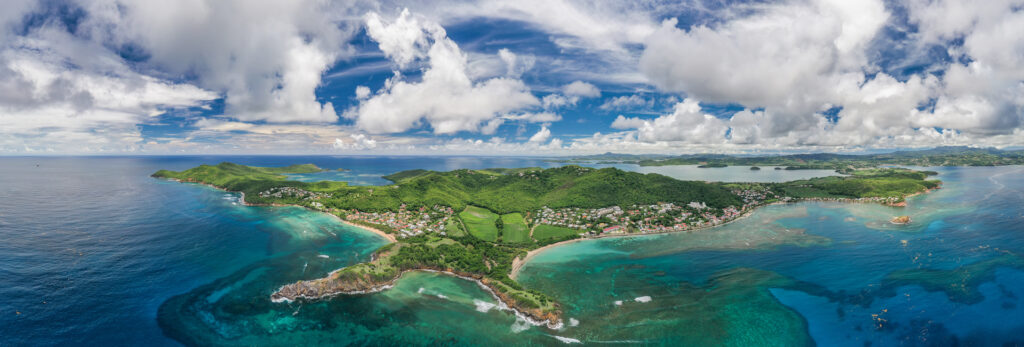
[[482, 225], [754, 168], [712, 165], [842, 163]]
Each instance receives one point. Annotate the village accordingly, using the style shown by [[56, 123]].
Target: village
[[292, 192], [653, 218], [406, 222]]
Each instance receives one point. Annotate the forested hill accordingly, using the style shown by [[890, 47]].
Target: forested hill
[[500, 190]]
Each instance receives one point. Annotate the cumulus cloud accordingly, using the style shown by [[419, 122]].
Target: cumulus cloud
[[356, 142], [622, 122], [581, 89], [446, 97], [516, 64], [571, 95], [627, 102], [55, 97], [362, 92], [687, 123], [267, 57], [541, 136], [781, 57]]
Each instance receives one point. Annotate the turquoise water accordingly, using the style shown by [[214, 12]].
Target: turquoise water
[[96, 252]]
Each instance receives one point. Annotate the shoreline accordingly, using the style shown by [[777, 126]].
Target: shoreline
[[504, 304], [550, 319], [518, 264], [389, 237]]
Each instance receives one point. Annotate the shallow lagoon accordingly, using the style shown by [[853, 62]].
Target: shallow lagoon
[[787, 274]]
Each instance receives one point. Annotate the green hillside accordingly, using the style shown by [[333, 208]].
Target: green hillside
[[519, 191]]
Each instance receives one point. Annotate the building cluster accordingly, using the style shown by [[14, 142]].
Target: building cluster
[[752, 196], [292, 192], [407, 222], [660, 217]]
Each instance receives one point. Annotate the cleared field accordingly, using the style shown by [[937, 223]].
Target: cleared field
[[515, 230], [480, 223], [453, 229], [543, 232]]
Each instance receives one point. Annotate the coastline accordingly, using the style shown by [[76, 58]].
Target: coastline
[[329, 286], [518, 264], [552, 321], [389, 237]]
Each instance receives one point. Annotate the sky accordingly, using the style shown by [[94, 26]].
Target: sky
[[523, 77]]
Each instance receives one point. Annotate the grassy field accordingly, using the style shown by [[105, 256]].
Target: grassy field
[[543, 232], [515, 230], [480, 223], [453, 229]]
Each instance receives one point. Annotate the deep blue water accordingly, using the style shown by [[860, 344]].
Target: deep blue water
[[92, 247]]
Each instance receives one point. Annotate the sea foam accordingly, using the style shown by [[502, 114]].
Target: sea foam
[[483, 306], [566, 340]]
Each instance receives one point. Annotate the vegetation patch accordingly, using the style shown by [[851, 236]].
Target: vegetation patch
[[544, 232], [514, 229], [481, 223]]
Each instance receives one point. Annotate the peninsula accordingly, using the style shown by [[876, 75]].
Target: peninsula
[[481, 224]]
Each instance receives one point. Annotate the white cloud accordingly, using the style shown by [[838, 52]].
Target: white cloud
[[530, 117], [267, 57], [571, 95], [356, 142], [541, 136], [622, 122], [405, 39], [53, 97], [362, 92], [515, 64], [782, 57], [581, 89], [687, 123], [553, 101], [446, 98], [627, 102]]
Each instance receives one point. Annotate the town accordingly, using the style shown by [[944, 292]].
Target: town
[[614, 220], [405, 222]]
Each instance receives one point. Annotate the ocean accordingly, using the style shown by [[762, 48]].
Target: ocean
[[95, 252]]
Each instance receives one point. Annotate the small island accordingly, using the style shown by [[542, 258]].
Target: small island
[[483, 225], [712, 165], [900, 220], [755, 168]]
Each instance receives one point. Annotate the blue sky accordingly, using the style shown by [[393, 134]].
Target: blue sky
[[531, 77]]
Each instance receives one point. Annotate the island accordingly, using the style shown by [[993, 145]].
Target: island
[[900, 220], [754, 168], [712, 165], [482, 225]]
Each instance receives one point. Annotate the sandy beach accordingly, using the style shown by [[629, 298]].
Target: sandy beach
[[373, 230]]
